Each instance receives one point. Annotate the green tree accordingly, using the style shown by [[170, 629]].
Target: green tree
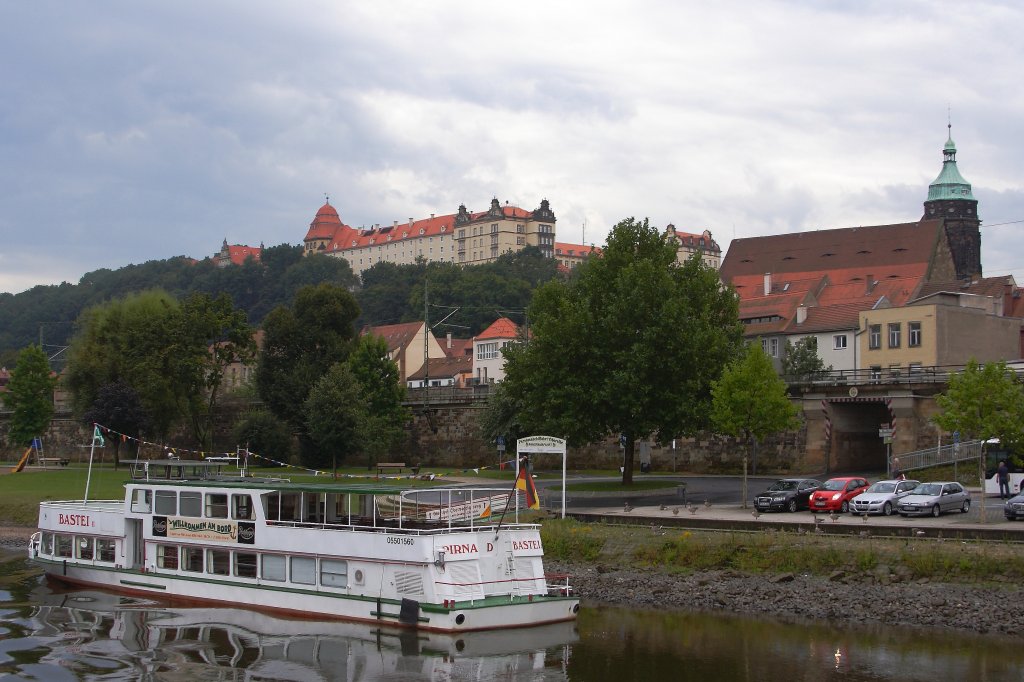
[[210, 335], [801, 362], [750, 401], [265, 435], [300, 344], [30, 396], [983, 402], [382, 392], [629, 345], [335, 417], [128, 340], [118, 407]]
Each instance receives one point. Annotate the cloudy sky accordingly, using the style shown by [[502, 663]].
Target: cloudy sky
[[134, 131]]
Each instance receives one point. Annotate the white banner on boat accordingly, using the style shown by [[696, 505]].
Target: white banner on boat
[[473, 509]]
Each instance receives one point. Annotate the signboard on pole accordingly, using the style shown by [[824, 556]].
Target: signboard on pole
[[543, 444]]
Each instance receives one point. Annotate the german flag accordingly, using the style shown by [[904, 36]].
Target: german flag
[[525, 483]]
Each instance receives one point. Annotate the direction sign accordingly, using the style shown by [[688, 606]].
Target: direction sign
[[886, 433]]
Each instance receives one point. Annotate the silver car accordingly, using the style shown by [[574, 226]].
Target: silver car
[[935, 498], [882, 497]]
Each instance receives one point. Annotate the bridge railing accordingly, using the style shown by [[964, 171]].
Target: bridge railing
[[939, 455], [932, 374]]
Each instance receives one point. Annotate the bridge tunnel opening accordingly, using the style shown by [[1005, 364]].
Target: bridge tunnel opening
[[856, 445]]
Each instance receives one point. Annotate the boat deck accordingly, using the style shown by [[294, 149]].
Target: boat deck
[[87, 505]]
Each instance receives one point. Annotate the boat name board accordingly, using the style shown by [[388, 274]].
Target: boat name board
[[204, 529], [466, 548], [81, 520]]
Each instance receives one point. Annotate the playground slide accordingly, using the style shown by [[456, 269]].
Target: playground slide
[[24, 459]]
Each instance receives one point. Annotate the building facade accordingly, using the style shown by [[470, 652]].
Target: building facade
[[463, 237]]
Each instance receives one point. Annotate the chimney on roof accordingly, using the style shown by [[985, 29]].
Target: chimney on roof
[[396, 224], [431, 216], [767, 283], [871, 282], [801, 314], [449, 340], [410, 222]]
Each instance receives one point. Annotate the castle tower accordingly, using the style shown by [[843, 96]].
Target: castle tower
[[950, 198]]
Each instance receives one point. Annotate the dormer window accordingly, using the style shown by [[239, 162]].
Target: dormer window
[[899, 249], [863, 252], [827, 254], [422, 230]]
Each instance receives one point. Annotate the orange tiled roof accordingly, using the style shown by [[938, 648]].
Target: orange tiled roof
[[502, 328], [396, 335], [577, 250], [237, 253]]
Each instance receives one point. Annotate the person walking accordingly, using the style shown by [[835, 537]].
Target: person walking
[[1003, 475], [897, 472]]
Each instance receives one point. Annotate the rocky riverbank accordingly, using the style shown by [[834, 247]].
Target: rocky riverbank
[[878, 597]]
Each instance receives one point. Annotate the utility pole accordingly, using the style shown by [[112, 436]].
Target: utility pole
[[426, 344]]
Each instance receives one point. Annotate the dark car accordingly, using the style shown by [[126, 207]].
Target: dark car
[[1014, 507], [786, 494]]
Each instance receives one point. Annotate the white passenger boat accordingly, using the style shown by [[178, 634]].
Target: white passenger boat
[[432, 559]]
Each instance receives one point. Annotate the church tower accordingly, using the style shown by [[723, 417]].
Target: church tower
[[950, 198]]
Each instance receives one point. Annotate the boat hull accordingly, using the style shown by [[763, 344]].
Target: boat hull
[[466, 616]]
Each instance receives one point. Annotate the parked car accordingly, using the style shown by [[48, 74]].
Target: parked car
[[882, 496], [836, 493], [1014, 507], [787, 494], [935, 498]]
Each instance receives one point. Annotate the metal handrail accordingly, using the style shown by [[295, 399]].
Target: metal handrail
[[940, 455]]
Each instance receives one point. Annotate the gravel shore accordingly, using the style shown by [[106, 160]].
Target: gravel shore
[[879, 597]]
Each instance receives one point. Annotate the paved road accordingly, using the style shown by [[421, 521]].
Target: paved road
[[724, 495]]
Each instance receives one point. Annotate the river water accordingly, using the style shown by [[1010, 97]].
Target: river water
[[53, 633]]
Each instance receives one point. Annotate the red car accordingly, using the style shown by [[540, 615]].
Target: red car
[[836, 494]]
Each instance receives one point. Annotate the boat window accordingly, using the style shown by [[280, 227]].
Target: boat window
[[84, 548], [216, 505], [105, 550], [167, 557], [47, 547], [63, 545], [273, 567], [218, 561], [166, 502], [190, 503], [333, 573], [241, 507], [303, 570], [245, 564], [280, 506], [142, 500], [192, 559]]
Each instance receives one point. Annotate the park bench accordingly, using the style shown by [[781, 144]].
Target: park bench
[[62, 461], [389, 466]]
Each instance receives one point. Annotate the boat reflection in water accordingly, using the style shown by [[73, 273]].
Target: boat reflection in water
[[100, 634]]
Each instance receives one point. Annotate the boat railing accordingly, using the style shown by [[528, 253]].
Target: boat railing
[[405, 526], [101, 505], [557, 584]]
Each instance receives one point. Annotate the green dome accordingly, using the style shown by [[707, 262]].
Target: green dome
[[950, 184]]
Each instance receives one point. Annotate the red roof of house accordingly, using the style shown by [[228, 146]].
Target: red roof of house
[[459, 348], [238, 253], [396, 335], [501, 328], [577, 250], [874, 249]]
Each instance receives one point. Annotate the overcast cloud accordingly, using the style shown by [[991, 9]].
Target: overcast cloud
[[137, 131]]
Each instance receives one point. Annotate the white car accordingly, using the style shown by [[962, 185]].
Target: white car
[[881, 497]]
